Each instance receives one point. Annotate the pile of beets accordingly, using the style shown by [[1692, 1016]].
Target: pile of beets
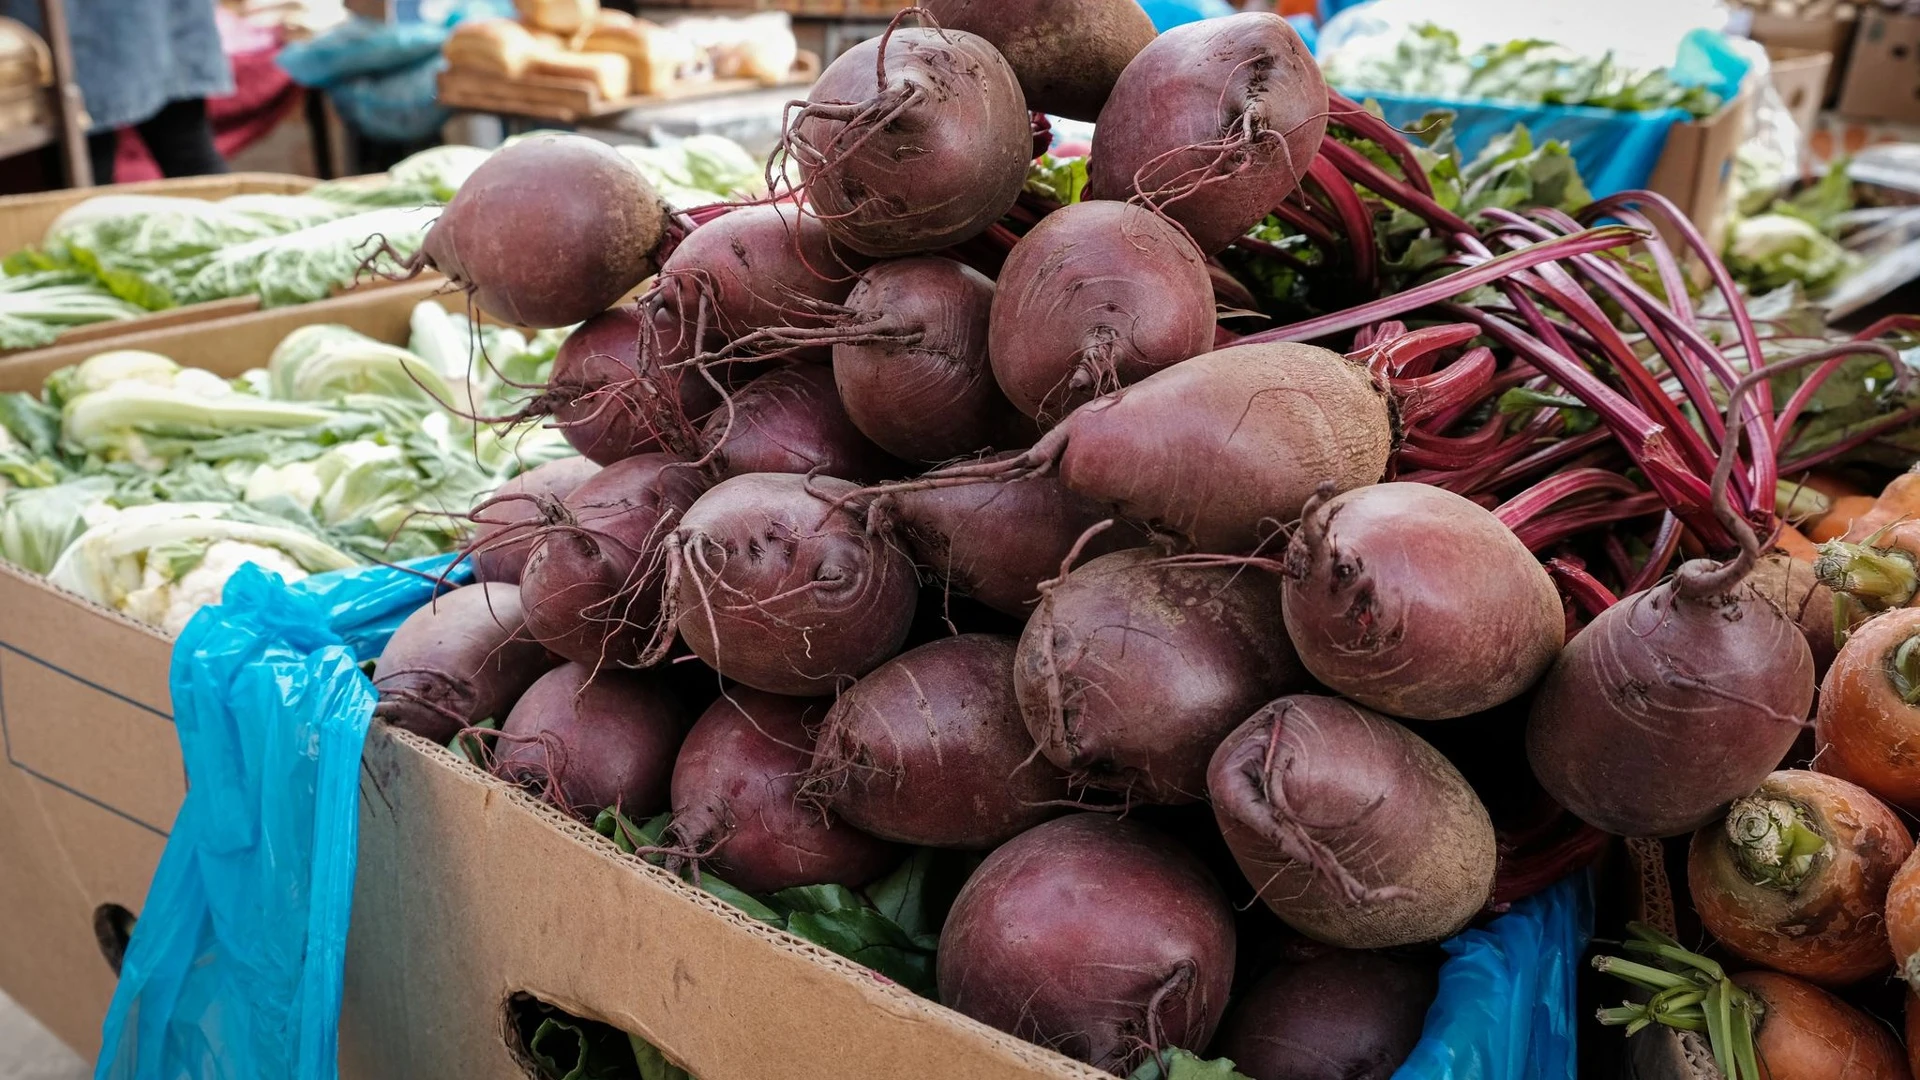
[[914, 509]]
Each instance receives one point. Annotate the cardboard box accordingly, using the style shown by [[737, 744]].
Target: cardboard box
[[469, 894], [1883, 70], [1831, 34], [1800, 77], [1695, 169]]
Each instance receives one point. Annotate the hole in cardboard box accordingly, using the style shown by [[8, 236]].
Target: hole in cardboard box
[[550, 1043], [1899, 52], [113, 928]]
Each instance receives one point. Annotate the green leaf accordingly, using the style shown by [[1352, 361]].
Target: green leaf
[[566, 1048], [32, 423], [1185, 1065], [653, 1064], [472, 749], [1064, 180], [918, 894], [125, 284]]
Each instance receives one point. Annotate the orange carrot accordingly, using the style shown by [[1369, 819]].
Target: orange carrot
[[1805, 1033], [1868, 727], [1795, 877], [1903, 921], [1840, 517], [1795, 543], [1899, 501]]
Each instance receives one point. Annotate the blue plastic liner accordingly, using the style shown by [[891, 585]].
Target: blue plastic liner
[[1507, 1008], [235, 966], [234, 969]]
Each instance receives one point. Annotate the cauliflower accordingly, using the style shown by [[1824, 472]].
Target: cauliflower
[[169, 604]]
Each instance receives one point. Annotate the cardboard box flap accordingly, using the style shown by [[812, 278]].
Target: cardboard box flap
[[555, 911]]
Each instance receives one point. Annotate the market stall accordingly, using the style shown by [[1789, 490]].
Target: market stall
[[1115, 541]]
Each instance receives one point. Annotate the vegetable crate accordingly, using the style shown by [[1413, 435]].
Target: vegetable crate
[[24, 220], [564, 100], [458, 923], [91, 773]]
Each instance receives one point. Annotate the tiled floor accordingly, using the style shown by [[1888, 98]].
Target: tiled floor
[[28, 1052]]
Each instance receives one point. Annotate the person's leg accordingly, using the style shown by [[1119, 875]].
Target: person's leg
[[102, 148], [180, 138]]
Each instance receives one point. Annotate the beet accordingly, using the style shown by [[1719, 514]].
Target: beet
[[610, 392], [1220, 449], [925, 392], [1132, 670], [463, 658], [1213, 123], [1097, 296], [504, 525], [735, 788], [1095, 936], [549, 231], [1356, 832], [1067, 53], [776, 587], [590, 741], [996, 543], [1414, 601], [1671, 703], [912, 142], [592, 583], [766, 277], [790, 421], [930, 749], [1341, 1015]]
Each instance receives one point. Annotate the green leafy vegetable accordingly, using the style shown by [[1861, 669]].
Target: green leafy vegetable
[[1428, 61], [1064, 180], [1179, 1064], [895, 930]]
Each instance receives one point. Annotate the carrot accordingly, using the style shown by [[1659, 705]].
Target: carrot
[[1795, 877], [1840, 516], [1805, 1033], [1898, 501], [1881, 570], [1903, 921], [1867, 728], [1795, 543], [1761, 1025], [1913, 1032]]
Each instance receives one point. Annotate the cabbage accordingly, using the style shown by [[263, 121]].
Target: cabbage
[[310, 264], [325, 362], [38, 524], [112, 402], [1771, 250], [142, 561]]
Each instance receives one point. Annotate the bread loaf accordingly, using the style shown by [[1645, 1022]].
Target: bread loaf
[[493, 46], [564, 17]]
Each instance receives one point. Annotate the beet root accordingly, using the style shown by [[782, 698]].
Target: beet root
[[1098, 937], [1670, 704], [590, 741], [1792, 586], [1213, 124], [790, 421], [459, 660], [505, 525], [925, 391], [549, 231], [1221, 449], [930, 749], [736, 807], [997, 542], [1067, 53], [1341, 1015], [1132, 670], [593, 581], [1418, 603], [1097, 296], [776, 587], [611, 392], [912, 142], [1355, 831]]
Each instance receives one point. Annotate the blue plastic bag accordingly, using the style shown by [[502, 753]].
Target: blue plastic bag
[[235, 966], [1167, 14], [1507, 1008]]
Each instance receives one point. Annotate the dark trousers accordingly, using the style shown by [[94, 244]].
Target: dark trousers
[[179, 137]]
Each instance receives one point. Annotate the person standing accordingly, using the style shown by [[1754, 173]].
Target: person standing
[[146, 64]]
